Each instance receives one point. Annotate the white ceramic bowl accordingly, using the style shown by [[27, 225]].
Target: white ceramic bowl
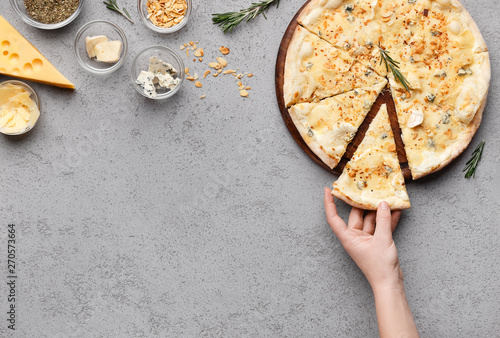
[[33, 96], [165, 54], [99, 27], [20, 9], [143, 13]]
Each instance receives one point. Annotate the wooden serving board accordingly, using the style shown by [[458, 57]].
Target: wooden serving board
[[385, 97]]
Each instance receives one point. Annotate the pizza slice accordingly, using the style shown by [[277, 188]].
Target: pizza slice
[[373, 174], [329, 126], [350, 25], [442, 111], [314, 70]]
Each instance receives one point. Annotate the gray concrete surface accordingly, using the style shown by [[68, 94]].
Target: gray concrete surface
[[203, 218]]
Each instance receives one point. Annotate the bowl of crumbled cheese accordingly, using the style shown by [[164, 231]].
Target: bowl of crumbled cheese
[[157, 72], [19, 108], [164, 16]]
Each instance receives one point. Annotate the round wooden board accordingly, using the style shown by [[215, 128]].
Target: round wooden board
[[385, 97]]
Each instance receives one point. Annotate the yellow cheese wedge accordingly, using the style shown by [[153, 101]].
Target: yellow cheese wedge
[[21, 59]]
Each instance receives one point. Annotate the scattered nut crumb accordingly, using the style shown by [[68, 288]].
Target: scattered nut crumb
[[206, 73], [248, 88], [200, 59], [242, 87], [185, 45], [214, 65], [215, 74], [203, 96], [190, 78], [239, 83], [182, 47], [191, 43], [194, 60], [229, 71], [221, 61], [195, 46], [250, 75], [196, 77], [199, 52], [224, 50], [186, 70], [197, 84], [244, 93]]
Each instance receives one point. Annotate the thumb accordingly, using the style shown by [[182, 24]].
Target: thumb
[[383, 223]]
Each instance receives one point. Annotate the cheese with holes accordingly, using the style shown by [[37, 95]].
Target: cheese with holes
[[20, 59], [18, 112]]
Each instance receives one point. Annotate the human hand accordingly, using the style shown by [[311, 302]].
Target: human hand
[[369, 241]]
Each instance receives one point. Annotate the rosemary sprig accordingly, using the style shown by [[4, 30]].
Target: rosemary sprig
[[471, 165], [111, 4], [229, 20], [394, 66]]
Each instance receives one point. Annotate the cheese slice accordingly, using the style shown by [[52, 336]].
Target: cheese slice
[[373, 174], [329, 126], [19, 58]]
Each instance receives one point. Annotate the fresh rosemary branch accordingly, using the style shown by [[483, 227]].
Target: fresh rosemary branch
[[471, 165], [394, 66], [111, 4], [229, 20]]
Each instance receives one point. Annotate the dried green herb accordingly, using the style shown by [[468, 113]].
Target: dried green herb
[[229, 20], [471, 165], [50, 11], [394, 66], [111, 4]]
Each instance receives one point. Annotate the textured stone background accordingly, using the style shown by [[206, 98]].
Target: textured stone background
[[203, 217]]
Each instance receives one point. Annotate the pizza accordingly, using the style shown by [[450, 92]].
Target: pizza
[[373, 174], [439, 78]]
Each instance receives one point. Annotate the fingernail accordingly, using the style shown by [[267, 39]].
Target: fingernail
[[384, 205]]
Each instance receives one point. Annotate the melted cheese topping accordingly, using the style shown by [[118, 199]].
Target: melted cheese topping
[[316, 70], [330, 125], [373, 174]]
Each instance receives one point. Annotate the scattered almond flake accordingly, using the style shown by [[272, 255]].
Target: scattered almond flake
[[195, 47], [248, 88], [186, 70], [197, 84], [200, 59], [190, 78], [194, 60], [215, 74], [203, 96], [197, 42], [239, 83], [242, 87], [219, 71], [240, 76], [244, 93], [187, 52], [250, 75], [182, 47], [199, 52], [191, 43], [214, 65], [206, 73], [185, 45], [221, 61], [224, 50], [196, 77], [229, 71]]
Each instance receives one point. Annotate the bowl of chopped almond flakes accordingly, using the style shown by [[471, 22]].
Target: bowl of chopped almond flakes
[[164, 16]]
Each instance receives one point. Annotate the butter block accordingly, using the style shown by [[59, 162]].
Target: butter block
[[92, 41], [19, 58], [109, 51]]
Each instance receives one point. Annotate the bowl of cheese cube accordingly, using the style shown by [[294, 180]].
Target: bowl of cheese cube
[[100, 47], [157, 72]]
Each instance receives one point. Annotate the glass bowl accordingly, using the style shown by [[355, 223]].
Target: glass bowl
[[20, 9], [165, 54], [93, 28], [143, 13], [33, 96]]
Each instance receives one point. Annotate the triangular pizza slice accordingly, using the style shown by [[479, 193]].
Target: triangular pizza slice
[[315, 70], [329, 125], [373, 174]]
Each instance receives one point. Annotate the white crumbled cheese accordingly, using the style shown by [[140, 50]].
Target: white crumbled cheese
[[166, 80], [158, 66], [145, 80], [416, 119]]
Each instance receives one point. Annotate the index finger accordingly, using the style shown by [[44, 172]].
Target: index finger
[[336, 223]]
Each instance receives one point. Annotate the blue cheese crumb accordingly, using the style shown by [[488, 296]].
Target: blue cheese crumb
[[159, 75], [145, 81], [166, 80], [158, 66]]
